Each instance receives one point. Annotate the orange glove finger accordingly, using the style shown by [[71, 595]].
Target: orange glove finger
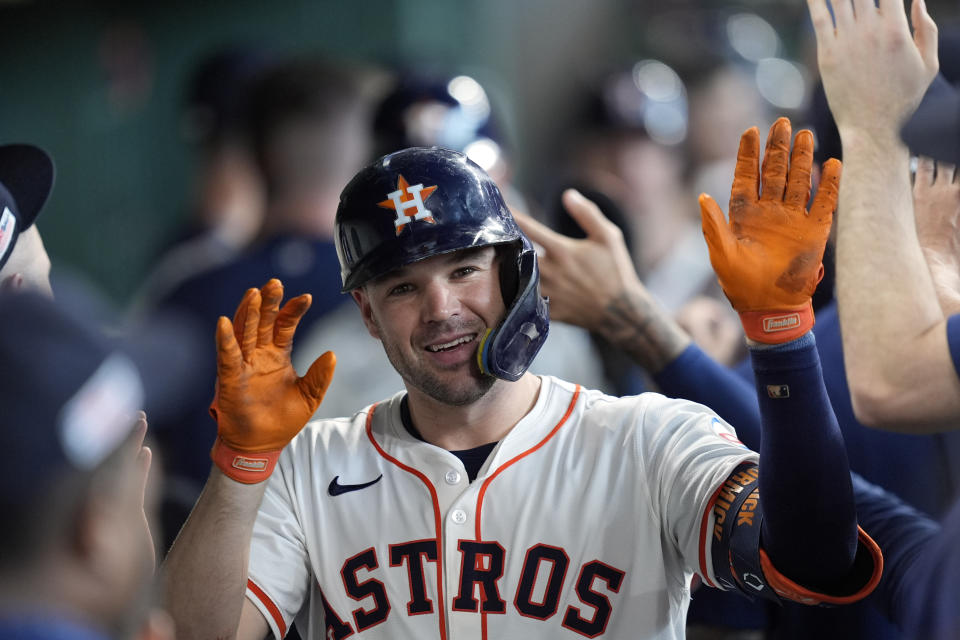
[[720, 240], [229, 357], [801, 163], [775, 156], [240, 315], [248, 330], [288, 319], [746, 175], [317, 379], [272, 293], [825, 202]]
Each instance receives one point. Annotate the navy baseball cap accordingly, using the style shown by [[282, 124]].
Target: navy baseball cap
[[934, 128], [69, 392], [26, 178]]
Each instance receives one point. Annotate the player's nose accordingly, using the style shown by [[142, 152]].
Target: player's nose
[[439, 302]]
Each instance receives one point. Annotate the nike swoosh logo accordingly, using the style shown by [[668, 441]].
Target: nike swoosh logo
[[336, 489]]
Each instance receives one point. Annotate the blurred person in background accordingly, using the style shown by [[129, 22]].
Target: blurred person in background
[[627, 153], [450, 110], [227, 205], [309, 125], [628, 145], [26, 178], [78, 556], [724, 101]]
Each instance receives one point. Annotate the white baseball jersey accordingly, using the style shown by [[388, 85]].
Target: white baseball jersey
[[587, 520]]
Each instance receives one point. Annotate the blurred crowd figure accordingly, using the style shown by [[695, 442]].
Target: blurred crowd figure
[[26, 178], [632, 150], [226, 206], [78, 556], [306, 121]]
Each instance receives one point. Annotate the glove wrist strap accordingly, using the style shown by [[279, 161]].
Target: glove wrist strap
[[776, 326], [243, 466]]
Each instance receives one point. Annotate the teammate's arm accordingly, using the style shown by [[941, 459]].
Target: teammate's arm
[[768, 260], [894, 332], [828, 548], [260, 404]]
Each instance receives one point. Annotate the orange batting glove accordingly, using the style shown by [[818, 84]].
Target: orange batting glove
[[768, 258], [260, 403]]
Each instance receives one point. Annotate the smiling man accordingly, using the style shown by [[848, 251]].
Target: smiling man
[[440, 339], [486, 502]]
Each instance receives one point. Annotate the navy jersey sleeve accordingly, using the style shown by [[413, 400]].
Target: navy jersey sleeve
[[930, 587]]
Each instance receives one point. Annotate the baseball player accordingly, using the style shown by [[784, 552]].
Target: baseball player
[[484, 501], [646, 331]]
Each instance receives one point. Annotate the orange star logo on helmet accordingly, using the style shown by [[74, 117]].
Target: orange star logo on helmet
[[408, 197]]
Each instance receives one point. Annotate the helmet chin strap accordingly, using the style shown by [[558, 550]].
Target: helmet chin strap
[[507, 351]]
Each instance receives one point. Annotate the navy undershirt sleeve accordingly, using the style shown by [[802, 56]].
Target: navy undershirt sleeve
[[696, 376], [809, 528], [905, 535], [930, 593]]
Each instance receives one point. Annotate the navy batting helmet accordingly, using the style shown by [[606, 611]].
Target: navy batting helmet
[[422, 202]]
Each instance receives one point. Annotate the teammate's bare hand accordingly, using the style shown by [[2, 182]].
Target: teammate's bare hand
[[260, 402], [582, 277], [874, 73], [936, 203], [592, 283], [144, 457]]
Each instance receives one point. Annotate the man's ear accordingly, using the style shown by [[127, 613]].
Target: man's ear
[[362, 299]]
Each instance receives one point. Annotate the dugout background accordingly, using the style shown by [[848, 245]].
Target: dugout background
[[99, 85]]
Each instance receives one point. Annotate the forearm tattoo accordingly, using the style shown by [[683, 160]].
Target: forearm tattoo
[[642, 329]]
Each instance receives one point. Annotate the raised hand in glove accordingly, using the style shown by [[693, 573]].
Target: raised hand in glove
[[260, 403], [768, 257]]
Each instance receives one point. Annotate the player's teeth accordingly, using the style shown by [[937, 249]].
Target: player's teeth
[[451, 344]]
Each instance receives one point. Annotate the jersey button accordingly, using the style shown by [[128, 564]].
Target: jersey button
[[452, 476], [459, 516]]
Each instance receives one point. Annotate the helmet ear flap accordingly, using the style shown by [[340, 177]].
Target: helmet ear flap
[[507, 351], [508, 256]]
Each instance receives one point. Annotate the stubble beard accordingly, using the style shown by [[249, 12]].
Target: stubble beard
[[455, 390]]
